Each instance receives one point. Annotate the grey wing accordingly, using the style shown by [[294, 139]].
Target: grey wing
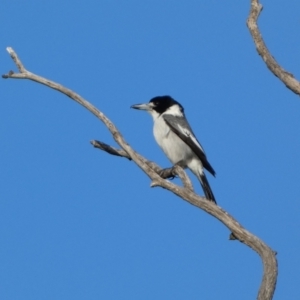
[[181, 127]]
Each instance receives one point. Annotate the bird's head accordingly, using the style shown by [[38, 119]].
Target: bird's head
[[159, 105]]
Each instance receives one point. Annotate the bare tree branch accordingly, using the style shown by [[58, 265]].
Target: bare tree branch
[[164, 173], [109, 149], [286, 77], [268, 257]]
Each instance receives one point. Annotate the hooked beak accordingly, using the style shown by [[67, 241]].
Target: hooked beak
[[145, 106]]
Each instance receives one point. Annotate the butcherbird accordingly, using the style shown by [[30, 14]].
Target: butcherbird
[[176, 138]]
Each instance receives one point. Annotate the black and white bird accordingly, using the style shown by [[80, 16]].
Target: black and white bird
[[174, 135]]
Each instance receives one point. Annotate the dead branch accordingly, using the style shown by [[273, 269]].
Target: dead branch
[[164, 173], [109, 149], [268, 257], [286, 77]]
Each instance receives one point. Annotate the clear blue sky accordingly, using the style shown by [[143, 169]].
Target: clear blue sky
[[77, 223]]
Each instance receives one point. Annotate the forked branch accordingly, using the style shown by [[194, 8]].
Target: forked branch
[[157, 176]]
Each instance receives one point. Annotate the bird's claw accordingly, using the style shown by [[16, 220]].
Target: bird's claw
[[167, 173]]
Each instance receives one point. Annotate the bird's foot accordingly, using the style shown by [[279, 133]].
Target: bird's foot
[[167, 173]]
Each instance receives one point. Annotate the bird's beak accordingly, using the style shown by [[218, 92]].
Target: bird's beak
[[145, 106]]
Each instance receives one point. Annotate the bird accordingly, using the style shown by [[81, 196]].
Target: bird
[[176, 138]]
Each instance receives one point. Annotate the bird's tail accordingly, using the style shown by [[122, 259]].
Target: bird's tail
[[206, 187]]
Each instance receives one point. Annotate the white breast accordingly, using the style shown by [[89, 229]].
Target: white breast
[[174, 148]]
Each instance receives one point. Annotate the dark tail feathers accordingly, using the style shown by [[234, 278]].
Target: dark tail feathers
[[206, 188]]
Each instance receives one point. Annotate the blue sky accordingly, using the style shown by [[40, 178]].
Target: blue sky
[[76, 223]]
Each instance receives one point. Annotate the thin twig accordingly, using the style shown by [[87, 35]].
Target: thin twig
[[109, 149], [16, 59]]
